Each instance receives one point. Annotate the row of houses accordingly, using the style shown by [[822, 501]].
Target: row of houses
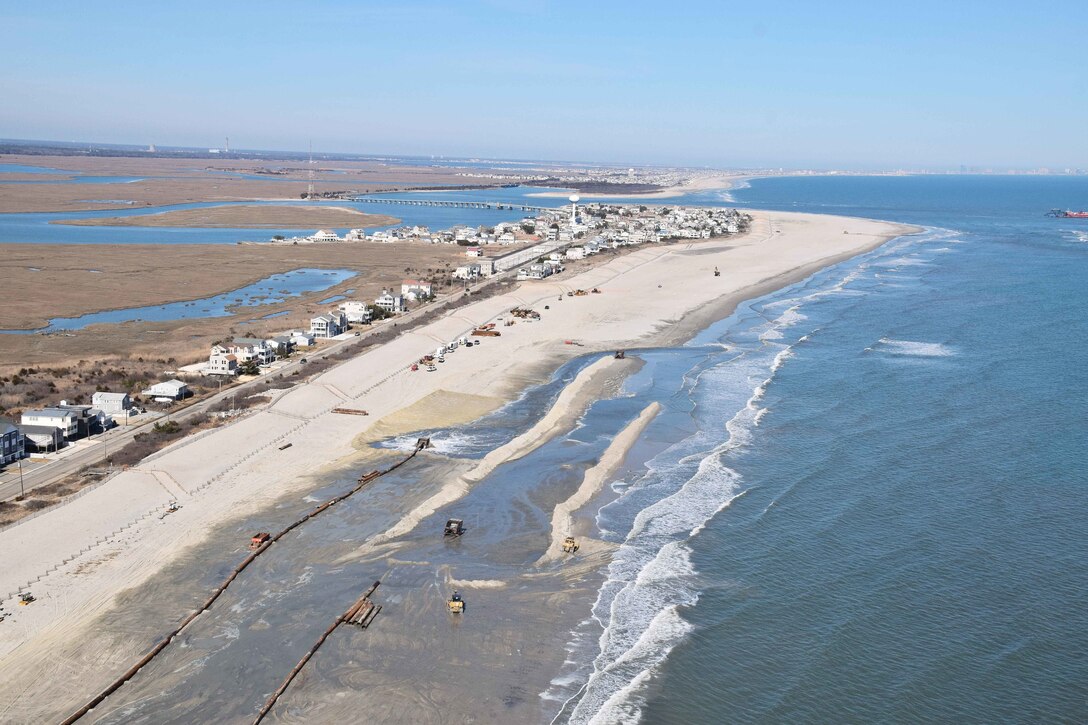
[[50, 428]]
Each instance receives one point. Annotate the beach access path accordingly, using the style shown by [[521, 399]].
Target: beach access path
[[77, 557]]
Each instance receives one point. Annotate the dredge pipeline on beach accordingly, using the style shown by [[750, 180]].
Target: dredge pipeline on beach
[[421, 444]]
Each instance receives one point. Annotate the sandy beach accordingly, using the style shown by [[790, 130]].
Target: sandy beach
[[96, 584], [698, 183]]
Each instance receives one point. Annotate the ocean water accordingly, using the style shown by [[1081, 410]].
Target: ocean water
[[866, 499]]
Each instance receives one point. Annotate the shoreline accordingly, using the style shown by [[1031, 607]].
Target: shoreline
[[801, 243]]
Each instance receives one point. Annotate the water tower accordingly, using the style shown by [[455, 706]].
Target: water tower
[[574, 198]]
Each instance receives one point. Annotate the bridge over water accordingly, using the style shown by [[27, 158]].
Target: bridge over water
[[451, 204]]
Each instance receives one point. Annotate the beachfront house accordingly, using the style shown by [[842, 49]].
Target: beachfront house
[[40, 438], [474, 252], [413, 289], [221, 362], [111, 403], [63, 420], [356, 311], [12, 446], [171, 389], [576, 253], [301, 338], [252, 349], [324, 235], [534, 271], [390, 302], [328, 325], [470, 272]]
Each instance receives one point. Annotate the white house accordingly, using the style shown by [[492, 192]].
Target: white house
[[328, 325], [174, 389], [355, 311], [535, 271], [355, 235], [507, 238], [390, 302], [324, 235], [251, 349], [413, 289], [474, 252], [576, 253], [469, 272], [301, 338], [111, 403], [221, 362], [66, 421]]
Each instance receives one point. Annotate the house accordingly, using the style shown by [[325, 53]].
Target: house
[[280, 344], [221, 362], [111, 403], [469, 272], [12, 445], [576, 253], [390, 302], [41, 437], [65, 421], [173, 389], [252, 349], [507, 238], [356, 311], [535, 271], [301, 338], [324, 235], [328, 325], [474, 252], [413, 289], [487, 267]]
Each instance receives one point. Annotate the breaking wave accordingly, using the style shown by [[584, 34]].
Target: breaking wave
[[911, 348]]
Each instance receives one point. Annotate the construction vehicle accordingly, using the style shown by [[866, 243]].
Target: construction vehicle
[[570, 545], [431, 368], [26, 598], [595, 291], [259, 539], [717, 273], [415, 367], [620, 355], [456, 604], [454, 527]]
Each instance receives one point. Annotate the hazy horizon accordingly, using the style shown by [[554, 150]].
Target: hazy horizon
[[849, 87]]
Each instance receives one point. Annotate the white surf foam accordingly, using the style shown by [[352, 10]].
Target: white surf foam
[[912, 348]]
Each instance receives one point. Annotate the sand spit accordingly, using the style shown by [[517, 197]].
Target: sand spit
[[568, 407], [114, 540], [595, 478]]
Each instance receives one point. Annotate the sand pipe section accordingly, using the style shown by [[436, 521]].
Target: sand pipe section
[[595, 479], [347, 616], [158, 648]]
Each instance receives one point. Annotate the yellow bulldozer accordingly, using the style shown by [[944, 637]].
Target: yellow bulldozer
[[570, 545], [456, 604]]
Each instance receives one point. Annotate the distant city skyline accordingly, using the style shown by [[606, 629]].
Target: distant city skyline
[[844, 85]]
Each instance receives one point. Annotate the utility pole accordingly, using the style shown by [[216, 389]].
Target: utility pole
[[310, 188], [22, 488]]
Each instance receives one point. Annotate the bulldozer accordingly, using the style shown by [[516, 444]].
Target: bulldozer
[[454, 527], [258, 540], [26, 598], [456, 604], [570, 545]]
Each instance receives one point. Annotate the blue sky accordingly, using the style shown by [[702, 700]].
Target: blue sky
[[858, 85]]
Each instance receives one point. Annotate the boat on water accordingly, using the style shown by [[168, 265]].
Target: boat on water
[[1067, 214]]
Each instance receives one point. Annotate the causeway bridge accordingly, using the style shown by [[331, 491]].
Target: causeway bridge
[[450, 204]]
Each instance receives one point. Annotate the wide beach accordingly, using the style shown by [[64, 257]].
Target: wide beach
[[120, 575]]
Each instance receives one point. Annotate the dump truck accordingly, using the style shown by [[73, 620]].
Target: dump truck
[[258, 540], [456, 604], [454, 527], [570, 545]]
